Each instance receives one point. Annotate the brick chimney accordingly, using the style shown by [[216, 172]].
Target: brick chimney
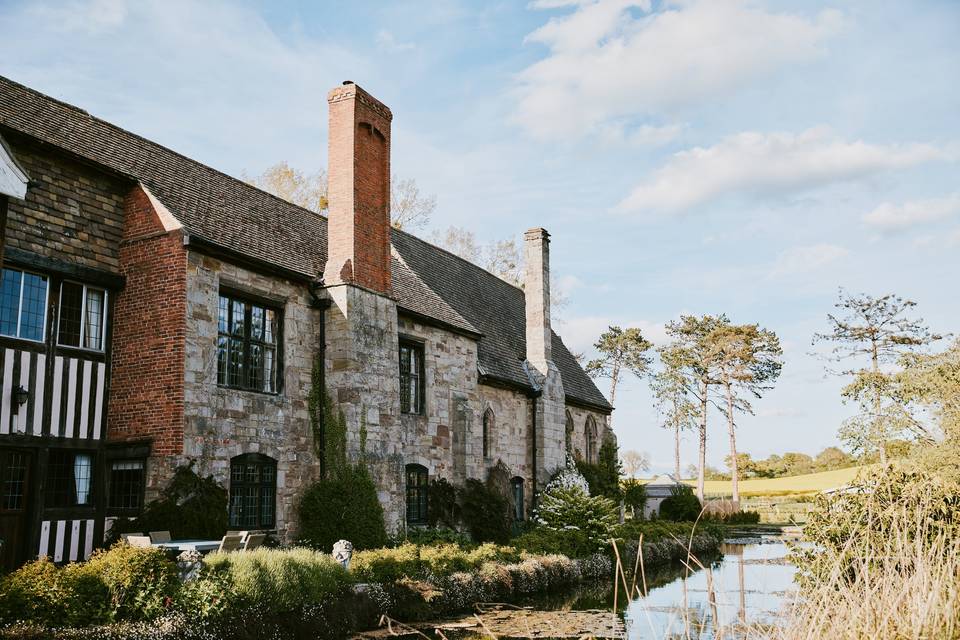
[[536, 288], [358, 165]]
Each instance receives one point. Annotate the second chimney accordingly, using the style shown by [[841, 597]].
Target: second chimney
[[536, 289], [358, 229]]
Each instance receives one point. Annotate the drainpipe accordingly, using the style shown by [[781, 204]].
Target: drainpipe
[[534, 395], [321, 304]]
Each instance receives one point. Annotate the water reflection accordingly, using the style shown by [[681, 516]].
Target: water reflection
[[747, 586]]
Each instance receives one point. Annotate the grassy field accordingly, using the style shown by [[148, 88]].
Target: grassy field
[[809, 483]]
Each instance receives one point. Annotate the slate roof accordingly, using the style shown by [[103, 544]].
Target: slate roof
[[231, 214]]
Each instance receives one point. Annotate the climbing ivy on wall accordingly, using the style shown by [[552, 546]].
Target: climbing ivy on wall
[[343, 504]]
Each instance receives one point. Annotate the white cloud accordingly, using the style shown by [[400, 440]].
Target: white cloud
[[890, 216], [389, 43], [761, 163], [607, 63], [799, 260], [580, 333]]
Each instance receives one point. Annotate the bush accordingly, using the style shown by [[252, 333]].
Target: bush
[[278, 581], [190, 507], [434, 536], [141, 582], [409, 561], [571, 543], [570, 508], [737, 517], [603, 477], [634, 495], [486, 512], [442, 507], [682, 506], [344, 506], [122, 583]]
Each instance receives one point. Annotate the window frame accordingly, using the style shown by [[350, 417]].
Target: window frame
[[488, 422], [112, 486], [46, 303], [418, 347], [237, 520], [83, 319], [422, 497], [568, 430], [249, 301], [517, 486], [590, 436], [51, 490]]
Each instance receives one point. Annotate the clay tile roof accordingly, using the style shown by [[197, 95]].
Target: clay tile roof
[[236, 216]]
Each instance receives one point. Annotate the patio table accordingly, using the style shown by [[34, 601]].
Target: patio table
[[203, 546]]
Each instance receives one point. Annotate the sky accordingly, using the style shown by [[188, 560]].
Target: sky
[[713, 156]]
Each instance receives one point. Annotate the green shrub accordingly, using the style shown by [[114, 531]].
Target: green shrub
[[141, 582], [386, 565], [486, 512], [190, 507], [634, 495], [442, 507], [344, 506], [571, 543], [570, 508], [434, 536], [603, 476], [682, 506], [278, 580], [737, 517], [34, 593]]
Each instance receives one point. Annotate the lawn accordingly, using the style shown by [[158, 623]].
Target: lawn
[[809, 483]]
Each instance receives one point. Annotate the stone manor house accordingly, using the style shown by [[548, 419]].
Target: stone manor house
[[154, 311]]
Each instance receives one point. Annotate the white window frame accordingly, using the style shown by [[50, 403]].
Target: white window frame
[[46, 304], [83, 316]]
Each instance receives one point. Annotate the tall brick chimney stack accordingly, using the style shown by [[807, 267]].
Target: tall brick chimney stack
[[358, 166], [536, 288]]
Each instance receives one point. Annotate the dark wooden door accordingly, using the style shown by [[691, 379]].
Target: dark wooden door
[[14, 505]]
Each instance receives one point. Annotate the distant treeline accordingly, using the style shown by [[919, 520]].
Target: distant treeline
[[789, 464]]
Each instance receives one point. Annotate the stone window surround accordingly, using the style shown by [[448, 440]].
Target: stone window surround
[[419, 344], [230, 288]]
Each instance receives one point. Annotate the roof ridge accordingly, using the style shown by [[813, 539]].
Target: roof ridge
[[460, 258], [154, 143]]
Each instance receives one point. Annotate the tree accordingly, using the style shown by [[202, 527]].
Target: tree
[[503, 259], [689, 335], [744, 464], [458, 241], [409, 209], [744, 360], [878, 331], [307, 190], [621, 350], [832, 458], [634, 462], [672, 398]]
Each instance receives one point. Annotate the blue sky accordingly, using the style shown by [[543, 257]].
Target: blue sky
[[687, 157]]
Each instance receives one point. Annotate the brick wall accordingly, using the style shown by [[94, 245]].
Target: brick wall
[[146, 394], [72, 211], [359, 190]]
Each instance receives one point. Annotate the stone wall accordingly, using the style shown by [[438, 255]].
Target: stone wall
[[221, 423], [579, 440]]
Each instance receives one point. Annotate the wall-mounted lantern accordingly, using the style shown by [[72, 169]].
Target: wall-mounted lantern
[[19, 395]]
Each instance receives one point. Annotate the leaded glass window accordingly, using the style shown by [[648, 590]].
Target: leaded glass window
[[417, 479], [82, 316], [247, 345], [23, 304], [253, 491], [411, 377]]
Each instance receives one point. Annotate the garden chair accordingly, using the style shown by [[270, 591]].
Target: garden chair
[[243, 534], [139, 541], [124, 536], [160, 536], [253, 541], [230, 543]]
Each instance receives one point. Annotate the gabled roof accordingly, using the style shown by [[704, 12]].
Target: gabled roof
[[241, 219]]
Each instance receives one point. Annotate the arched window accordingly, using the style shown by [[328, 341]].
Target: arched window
[[417, 479], [590, 430], [488, 422], [253, 491], [568, 436], [516, 487]]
